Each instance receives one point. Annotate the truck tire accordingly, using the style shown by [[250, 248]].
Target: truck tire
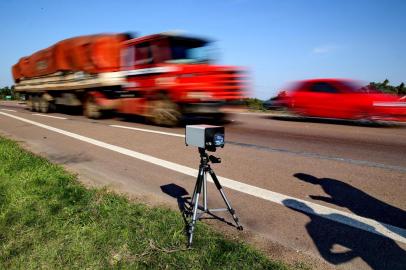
[[164, 112], [47, 103], [91, 109], [30, 103], [44, 105], [36, 103]]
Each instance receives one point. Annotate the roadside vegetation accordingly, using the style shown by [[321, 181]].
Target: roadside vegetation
[[9, 93], [48, 220], [255, 104], [387, 88]]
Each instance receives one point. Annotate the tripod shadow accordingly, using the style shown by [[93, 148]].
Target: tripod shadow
[[185, 206], [356, 200], [182, 197], [339, 243]]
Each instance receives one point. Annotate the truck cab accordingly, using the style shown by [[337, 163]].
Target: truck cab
[[169, 75]]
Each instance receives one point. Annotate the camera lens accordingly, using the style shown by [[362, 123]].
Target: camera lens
[[218, 139]]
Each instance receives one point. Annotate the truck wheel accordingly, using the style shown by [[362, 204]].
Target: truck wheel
[[44, 105], [92, 109], [164, 112], [36, 104], [30, 103]]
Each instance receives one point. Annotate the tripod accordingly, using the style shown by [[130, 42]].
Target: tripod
[[201, 185]]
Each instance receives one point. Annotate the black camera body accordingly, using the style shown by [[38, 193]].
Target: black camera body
[[207, 137]]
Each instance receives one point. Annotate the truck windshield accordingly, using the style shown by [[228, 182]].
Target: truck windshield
[[189, 50]]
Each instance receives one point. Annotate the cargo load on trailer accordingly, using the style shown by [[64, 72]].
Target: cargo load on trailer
[[89, 55], [92, 54]]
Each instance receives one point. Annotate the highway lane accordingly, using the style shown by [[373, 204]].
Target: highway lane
[[334, 139], [361, 189], [376, 145]]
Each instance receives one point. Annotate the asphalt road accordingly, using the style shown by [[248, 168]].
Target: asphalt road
[[329, 193]]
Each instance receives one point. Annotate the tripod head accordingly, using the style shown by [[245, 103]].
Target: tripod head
[[214, 159], [205, 158]]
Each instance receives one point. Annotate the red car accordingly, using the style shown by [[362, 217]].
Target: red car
[[343, 99]]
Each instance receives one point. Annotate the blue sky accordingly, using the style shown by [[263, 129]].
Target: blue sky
[[278, 41]]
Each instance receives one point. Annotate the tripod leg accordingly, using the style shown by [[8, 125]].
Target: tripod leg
[[192, 202], [223, 195], [198, 189], [205, 190]]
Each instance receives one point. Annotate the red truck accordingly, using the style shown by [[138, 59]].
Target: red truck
[[161, 77]]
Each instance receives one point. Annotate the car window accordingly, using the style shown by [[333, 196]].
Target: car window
[[323, 87]]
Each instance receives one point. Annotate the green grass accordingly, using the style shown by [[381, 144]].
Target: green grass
[[49, 220]]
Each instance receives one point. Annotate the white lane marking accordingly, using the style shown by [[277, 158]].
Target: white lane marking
[[50, 116], [150, 130], [349, 219], [8, 110]]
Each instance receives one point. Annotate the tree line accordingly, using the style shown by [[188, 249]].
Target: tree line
[[9, 93], [387, 88]]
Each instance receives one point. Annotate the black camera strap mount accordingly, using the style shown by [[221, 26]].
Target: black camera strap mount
[[201, 187]]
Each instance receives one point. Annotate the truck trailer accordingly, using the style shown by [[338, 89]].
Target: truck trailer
[[161, 77]]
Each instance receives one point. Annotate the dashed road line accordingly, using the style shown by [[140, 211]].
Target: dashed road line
[[8, 110], [50, 116], [150, 131], [349, 219]]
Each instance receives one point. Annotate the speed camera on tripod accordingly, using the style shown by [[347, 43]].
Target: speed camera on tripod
[[205, 136]]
